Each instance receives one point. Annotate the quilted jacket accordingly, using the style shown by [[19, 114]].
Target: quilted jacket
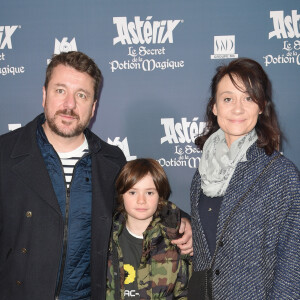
[[259, 256]]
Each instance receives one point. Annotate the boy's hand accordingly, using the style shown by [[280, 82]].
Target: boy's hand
[[185, 243]]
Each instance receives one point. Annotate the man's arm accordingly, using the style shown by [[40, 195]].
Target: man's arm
[[185, 243]]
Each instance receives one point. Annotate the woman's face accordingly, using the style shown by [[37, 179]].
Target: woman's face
[[236, 112]]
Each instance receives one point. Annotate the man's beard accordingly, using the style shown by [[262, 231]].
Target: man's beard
[[68, 133]]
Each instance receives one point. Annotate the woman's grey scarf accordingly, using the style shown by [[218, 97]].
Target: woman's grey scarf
[[218, 162]]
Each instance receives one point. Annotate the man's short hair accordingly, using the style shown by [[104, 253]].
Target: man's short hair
[[80, 62]]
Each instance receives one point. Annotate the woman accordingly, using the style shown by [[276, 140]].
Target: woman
[[245, 196]]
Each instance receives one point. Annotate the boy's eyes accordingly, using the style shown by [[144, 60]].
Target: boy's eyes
[[134, 193]]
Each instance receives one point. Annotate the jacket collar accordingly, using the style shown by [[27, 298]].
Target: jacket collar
[[27, 165], [164, 225], [254, 152], [168, 220], [25, 144]]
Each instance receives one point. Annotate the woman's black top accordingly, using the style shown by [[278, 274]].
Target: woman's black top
[[209, 212]]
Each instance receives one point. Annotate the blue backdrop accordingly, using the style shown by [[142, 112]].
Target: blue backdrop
[[157, 58]]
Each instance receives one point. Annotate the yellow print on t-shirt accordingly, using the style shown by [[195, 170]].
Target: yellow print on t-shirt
[[129, 273]]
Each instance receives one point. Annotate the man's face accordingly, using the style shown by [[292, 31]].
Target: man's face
[[68, 101]]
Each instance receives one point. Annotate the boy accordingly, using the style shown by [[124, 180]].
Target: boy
[[142, 261]]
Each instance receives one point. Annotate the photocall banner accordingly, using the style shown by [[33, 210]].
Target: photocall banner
[[157, 59]]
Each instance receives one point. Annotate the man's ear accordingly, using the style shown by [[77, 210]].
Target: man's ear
[[44, 97], [93, 108]]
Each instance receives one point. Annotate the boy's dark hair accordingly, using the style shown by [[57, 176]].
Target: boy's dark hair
[[134, 171]]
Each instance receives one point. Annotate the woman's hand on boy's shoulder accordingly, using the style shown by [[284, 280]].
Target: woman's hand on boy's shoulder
[[185, 243]]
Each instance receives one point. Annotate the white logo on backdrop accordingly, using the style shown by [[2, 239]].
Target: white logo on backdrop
[[12, 127], [6, 33], [123, 145], [224, 47], [149, 32], [182, 134], [140, 32], [285, 27], [63, 46]]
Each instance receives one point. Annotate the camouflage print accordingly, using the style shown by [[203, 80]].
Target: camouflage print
[[163, 273]]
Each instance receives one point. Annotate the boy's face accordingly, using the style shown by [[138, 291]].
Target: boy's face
[[141, 201]]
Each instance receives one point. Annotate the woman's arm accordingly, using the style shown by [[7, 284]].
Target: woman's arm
[[286, 284]]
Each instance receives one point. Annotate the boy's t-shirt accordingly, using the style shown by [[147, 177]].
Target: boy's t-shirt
[[132, 251]]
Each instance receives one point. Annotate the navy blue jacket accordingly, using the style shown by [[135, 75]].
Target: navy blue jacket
[[31, 222], [259, 256], [75, 202]]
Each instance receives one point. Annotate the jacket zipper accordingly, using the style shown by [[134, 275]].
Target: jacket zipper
[[65, 236], [65, 244]]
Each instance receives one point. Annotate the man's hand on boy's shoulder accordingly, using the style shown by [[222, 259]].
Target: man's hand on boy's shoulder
[[185, 243]]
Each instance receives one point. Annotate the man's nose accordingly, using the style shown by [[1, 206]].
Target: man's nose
[[70, 101]]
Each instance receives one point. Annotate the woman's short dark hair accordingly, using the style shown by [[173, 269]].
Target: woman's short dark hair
[[137, 169], [259, 87], [80, 62]]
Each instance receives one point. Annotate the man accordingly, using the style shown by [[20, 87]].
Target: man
[[57, 192]]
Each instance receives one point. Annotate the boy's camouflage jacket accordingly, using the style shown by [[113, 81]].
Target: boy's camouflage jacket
[[163, 273]]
